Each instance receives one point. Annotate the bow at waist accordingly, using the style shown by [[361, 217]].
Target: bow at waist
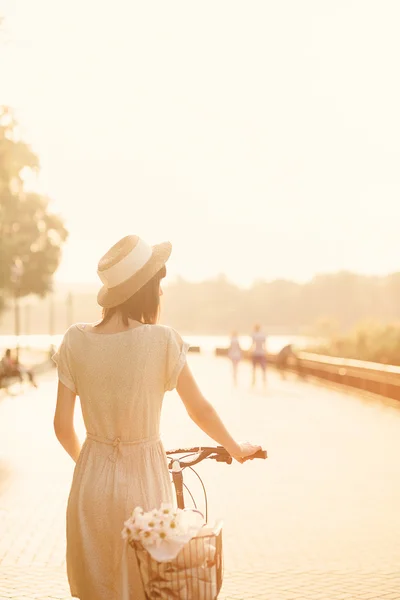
[[117, 442]]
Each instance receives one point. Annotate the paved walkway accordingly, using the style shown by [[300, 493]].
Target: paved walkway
[[320, 519]]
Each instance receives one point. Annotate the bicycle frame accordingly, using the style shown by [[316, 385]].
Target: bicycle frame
[[177, 478], [199, 570]]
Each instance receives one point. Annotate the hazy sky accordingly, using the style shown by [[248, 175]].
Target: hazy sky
[[261, 138]]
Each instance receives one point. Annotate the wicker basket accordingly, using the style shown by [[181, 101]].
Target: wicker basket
[[195, 574]]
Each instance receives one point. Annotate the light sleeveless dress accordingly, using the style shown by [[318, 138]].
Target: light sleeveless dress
[[235, 351], [121, 379]]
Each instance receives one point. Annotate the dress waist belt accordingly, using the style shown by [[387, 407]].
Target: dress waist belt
[[117, 442]]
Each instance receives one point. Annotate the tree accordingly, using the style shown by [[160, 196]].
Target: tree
[[30, 235]]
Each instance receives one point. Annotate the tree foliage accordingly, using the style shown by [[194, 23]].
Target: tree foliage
[[325, 306], [376, 342], [31, 236]]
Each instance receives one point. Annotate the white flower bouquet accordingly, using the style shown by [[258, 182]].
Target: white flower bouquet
[[176, 552], [162, 532]]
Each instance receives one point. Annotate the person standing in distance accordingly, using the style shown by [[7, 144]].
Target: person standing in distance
[[235, 354], [258, 353]]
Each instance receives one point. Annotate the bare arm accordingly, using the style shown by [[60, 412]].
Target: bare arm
[[206, 417], [64, 421]]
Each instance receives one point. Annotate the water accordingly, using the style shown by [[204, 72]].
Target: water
[[207, 343]]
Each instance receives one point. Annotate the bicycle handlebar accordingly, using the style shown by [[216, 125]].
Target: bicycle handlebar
[[200, 453]]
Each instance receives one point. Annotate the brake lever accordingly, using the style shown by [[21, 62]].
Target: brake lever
[[221, 458]]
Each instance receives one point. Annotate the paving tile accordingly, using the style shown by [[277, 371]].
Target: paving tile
[[319, 520]]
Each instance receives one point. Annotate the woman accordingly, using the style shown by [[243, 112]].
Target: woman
[[121, 367], [235, 354]]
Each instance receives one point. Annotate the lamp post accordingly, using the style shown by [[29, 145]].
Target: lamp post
[[51, 315], [27, 319], [70, 308], [17, 271]]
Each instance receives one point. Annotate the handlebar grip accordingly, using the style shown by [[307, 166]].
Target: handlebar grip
[[258, 454]]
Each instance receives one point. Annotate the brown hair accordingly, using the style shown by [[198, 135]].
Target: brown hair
[[144, 306]]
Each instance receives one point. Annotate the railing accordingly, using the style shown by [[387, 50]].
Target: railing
[[371, 377], [194, 349]]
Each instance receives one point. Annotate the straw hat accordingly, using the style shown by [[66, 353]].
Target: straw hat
[[127, 267]]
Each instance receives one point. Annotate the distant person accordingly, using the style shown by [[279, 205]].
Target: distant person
[[52, 351], [12, 368], [235, 355], [5, 365], [259, 353], [9, 367], [282, 359]]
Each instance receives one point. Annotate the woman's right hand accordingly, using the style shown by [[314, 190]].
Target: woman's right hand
[[244, 451]]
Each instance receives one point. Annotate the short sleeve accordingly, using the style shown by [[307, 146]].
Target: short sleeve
[[63, 360], [177, 351]]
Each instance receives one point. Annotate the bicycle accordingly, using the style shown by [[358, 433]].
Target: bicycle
[[197, 572]]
